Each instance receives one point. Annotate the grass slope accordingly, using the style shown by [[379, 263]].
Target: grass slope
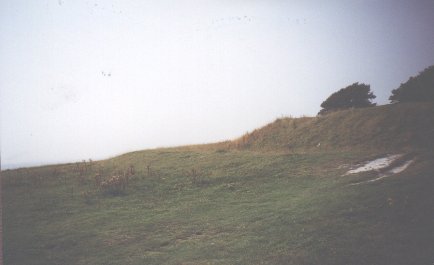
[[388, 127], [258, 204]]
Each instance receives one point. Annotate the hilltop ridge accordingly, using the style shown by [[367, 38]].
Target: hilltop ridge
[[393, 126]]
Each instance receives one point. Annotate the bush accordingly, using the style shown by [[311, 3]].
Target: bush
[[419, 88], [353, 96], [114, 186]]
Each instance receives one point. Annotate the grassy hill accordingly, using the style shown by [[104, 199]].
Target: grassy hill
[[273, 196], [388, 127]]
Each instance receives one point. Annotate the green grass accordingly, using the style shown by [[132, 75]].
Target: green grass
[[255, 204], [249, 208]]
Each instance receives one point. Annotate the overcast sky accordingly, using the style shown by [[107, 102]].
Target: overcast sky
[[93, 79]]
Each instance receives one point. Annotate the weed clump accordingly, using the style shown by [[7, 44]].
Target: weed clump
[[88, 196], [114, 186], [197, 178], [117, 184]]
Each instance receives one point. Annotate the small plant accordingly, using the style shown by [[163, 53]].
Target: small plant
[[148, 170], [197, 178], [194, 176], [88, 196], [131, 170], [76, 168], [294, 124], [129, 173], [81, 178], [221, 150], [89, 165], [98, 179], [114, 186]]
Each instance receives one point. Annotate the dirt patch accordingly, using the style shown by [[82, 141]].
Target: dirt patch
[[377, 164], [395, 166]]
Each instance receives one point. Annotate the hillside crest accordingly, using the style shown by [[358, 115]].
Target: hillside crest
[[389, 127]]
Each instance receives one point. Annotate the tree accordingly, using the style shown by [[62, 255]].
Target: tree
[[353, 96], [419, 88]]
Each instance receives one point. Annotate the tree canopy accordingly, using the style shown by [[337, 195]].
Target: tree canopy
[[353, 96], [418, 88]]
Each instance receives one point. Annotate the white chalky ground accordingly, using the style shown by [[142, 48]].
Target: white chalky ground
[[378, 164]]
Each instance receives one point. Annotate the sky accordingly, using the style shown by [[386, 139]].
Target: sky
[[94, 79]]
